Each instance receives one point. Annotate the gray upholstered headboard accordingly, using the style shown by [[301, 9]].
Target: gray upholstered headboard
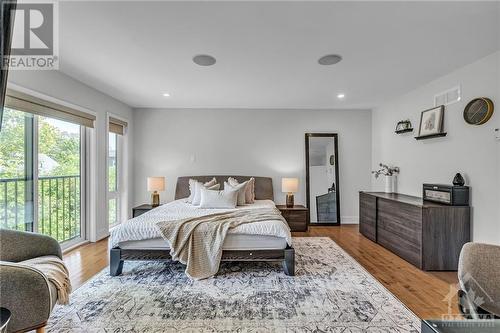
[[263, 185]]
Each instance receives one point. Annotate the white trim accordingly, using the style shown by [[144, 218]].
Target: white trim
[[74, 246], [349, 220]]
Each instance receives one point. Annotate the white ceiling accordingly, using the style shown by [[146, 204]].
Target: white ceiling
[[267, 52]]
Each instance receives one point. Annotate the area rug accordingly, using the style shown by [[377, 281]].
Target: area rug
[[330, 292]]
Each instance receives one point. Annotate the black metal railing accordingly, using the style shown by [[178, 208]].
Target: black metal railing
[[58, 206]]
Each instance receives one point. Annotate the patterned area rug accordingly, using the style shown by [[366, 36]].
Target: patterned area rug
[[331, 292]]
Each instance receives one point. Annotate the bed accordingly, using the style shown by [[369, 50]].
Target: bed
[[139, 239]]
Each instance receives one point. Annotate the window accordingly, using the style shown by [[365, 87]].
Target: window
[[115, 170], [41, 171], [113, 180]]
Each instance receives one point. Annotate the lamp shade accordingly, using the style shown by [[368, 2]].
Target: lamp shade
[[289, 185], [156, 184]]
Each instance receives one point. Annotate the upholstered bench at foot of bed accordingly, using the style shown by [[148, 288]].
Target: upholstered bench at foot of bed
[[286, 256]]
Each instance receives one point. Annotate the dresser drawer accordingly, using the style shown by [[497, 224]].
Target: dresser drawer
[[296, 219], [400, 246], [404, 221], [368, 216]]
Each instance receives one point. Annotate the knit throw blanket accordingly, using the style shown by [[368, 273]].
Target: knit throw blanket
[[197, 242], [56, 272]]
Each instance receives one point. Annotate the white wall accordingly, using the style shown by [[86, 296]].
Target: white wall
[[185, 142], [56, 85], [471, 150]]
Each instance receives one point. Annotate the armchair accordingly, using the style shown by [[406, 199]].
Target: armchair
[[23, 290], [479, 278]]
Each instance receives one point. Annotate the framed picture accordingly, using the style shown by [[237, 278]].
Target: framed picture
[[431, 121]]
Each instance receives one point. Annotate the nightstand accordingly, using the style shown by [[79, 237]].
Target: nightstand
[[296, 216], [139, 210]]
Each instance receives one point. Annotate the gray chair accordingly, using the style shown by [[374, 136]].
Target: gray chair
[[24, 291], [479, 278]]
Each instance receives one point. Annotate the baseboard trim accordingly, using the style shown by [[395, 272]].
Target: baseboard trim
[[349, 220]]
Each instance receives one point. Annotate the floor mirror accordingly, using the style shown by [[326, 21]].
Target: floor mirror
[[322, 178]]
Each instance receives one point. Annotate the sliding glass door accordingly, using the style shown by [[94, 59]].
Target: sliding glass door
[[41, 169], [16, 171]]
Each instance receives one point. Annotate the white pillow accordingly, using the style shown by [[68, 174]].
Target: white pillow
[[197, 194], [250, 189], [192, 183], [218, 199], [241, 191]]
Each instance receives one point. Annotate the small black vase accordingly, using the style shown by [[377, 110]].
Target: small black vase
[[458, 180]]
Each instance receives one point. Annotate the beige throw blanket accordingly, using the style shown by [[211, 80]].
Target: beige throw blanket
[[56, 272], [197, 242]]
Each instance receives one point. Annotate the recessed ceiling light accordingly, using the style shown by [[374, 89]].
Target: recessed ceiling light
[[340, 96], [204, 60], [166, 95], [329, 59]]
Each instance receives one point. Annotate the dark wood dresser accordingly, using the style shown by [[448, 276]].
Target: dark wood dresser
[[428, 235]]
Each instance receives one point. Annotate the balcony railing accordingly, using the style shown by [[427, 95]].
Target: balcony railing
[[58, 206]]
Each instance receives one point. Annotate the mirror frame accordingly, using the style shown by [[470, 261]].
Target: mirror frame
[[337, 178]]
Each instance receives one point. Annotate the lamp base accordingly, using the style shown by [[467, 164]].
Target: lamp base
[[155, 199], [289, 200]]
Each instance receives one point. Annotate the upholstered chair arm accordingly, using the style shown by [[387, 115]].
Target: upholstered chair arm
[[478, 274], [18, 246], [26, 293]]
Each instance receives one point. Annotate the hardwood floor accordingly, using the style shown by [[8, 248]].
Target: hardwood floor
[[422, 292]]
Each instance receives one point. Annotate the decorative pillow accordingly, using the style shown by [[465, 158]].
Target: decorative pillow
[[218, 199], [192, 183], [250, 189], [241, 191], [198, 187]]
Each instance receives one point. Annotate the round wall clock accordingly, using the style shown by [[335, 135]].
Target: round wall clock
[[478, 111]]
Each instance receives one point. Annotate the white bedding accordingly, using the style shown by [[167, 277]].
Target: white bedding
[[144, 226]]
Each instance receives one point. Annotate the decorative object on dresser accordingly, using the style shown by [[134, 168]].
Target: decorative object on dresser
[[139, 210], [390, 175], [289, 186], [431, 123], [458, 180], [156, 184], [296, 216], [426, 234], [322, 178], [478, 111], [404, 126], [446, 194]]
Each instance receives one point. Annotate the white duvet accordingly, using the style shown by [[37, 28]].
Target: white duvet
[[144, 226]]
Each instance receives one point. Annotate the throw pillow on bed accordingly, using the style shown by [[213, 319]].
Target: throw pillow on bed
[[192, 189], [241, 188], [250, 189], [198, 187], [218, 199]]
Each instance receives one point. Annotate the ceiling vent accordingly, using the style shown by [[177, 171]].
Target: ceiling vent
[[448, 97]]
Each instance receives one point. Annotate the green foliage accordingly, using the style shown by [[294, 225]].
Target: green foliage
[[58, 198]]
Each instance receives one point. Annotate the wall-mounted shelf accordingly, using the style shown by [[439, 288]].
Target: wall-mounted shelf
[[430, 136], [406, 130]]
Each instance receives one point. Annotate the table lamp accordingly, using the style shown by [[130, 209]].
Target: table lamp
[[156, 184], [289, 186]]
